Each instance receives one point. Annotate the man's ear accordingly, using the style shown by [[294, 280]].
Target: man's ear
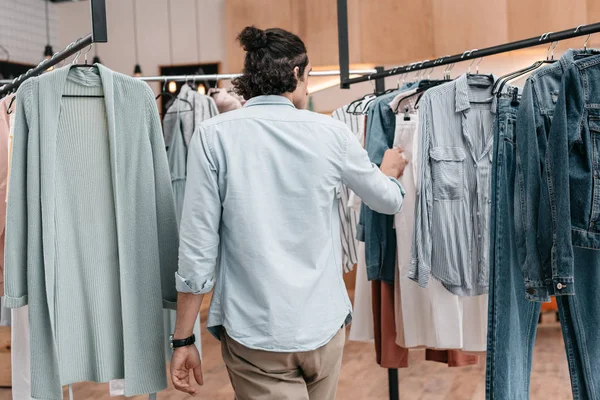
[[297, 73]]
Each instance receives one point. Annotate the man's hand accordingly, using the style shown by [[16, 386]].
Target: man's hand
[[394, 162], [186, 361]]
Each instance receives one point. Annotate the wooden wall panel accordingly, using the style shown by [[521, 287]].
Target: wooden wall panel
[[318, 29], [388, 32], [593, 15], [260, 13], [465, 25], [529, 18], [393, 32], [315, 21]]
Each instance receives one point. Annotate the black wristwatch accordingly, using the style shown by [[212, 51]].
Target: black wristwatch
[[175, 343]]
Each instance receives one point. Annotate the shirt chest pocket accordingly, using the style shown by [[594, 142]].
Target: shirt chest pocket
[[447, 172]]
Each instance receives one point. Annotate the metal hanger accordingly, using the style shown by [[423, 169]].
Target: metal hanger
[[86, 65], [353, 106], [586, 40], [424, 85], [503, 80]]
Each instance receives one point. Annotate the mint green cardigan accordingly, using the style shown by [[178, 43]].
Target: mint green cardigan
[[146, 229]]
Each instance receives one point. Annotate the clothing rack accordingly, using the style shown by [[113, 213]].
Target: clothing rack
[[379, 77], [225, 77], [99, 34]]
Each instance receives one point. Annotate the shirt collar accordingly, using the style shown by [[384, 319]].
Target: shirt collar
[[568, 58], [462, 93], [269, 100]]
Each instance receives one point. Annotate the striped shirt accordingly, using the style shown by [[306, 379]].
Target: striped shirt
[[453, 199], [348, 215]]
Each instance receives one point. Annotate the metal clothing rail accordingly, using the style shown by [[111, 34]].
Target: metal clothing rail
[[224, 77], [98, 35]]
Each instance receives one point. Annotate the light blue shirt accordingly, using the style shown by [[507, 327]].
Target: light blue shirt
[[260, 222]]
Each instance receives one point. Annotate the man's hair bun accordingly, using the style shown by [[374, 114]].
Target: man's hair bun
[[252, 38]]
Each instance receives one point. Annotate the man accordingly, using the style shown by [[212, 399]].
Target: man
[[260, 224]]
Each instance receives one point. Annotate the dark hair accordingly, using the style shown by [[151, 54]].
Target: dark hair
[[271, 56]]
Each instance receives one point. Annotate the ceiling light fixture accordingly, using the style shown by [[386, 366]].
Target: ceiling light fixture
[[48, 52], [137, 70]]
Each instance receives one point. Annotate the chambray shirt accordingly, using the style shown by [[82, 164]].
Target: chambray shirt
[[453, 205], [260, 222]]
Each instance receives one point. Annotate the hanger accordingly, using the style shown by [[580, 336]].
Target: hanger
[[12, 101], [359, 101], [425, 84], [86, 65], [503, 80], [586, 40]]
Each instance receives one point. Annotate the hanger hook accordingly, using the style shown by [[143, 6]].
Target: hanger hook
[[477, 65], [586, 42], [370, 81], [165, 85], [86, 53], [552, 47], [545, 36]]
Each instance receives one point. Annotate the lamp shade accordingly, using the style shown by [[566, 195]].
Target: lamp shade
[[137, 70], [48, 52]]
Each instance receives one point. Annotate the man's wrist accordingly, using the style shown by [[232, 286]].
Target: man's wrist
[[184, 342]]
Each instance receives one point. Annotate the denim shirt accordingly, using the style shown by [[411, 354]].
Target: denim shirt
[[375, 229], [570, 216], [260, 222], [535, 119]]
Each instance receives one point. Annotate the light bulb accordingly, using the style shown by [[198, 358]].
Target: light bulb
[[201, 89], [172, 86]]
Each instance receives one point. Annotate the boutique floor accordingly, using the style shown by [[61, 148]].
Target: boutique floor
[[361, 378]]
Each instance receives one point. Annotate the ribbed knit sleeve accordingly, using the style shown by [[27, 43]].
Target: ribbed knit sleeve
[[16, 250], [168, 235]]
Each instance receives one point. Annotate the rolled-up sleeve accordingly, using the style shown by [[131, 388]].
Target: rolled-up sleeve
[[200, 221], [378, 191]]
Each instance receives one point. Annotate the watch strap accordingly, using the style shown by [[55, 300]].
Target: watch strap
[[175, 343]]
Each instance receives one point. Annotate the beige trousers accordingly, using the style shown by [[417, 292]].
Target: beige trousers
[[265, 375]]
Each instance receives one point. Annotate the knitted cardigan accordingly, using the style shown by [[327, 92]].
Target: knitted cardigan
[[146, 229]]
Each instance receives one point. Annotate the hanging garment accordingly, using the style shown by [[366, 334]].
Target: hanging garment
[[570, 197], [452, 220], [361, 329], [431, 316], [388, 353], [195, 109], [225, 100], [4, 141], [376, 229], [348, 215], [20, 355], [83, 172], [513, 320], [535, 118]]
